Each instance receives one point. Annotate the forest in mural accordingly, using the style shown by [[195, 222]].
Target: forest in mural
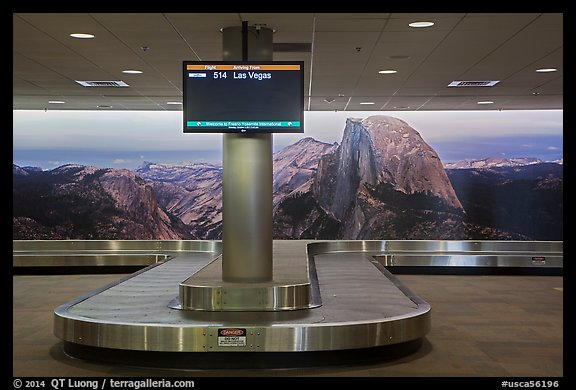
[[382, 180]]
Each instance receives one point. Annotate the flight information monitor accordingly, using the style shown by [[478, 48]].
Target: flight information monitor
[[243, 97]]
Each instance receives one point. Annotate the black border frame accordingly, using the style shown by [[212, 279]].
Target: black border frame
[[217, 130]]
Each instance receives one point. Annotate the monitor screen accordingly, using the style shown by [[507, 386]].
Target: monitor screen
[[243, 97]]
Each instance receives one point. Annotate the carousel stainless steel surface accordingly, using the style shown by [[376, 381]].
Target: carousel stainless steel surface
[[530, 254], [88, 259], [363, 305], [436, 253], [71, 253], [113, 246], [290, 288]]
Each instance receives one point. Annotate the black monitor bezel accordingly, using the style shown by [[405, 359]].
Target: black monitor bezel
[[216, 130]]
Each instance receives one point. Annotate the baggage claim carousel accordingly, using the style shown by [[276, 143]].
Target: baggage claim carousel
[[330, 302]]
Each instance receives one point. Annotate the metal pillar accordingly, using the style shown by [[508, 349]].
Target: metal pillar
[[247, 178]]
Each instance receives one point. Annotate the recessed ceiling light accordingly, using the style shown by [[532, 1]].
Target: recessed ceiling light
[[421, 24], [366, 103], [173, 102], [387, 71], [546, 70], [131, 71], [401, 107], [82, 36], [56, 102], [104, 106], [486, 102]]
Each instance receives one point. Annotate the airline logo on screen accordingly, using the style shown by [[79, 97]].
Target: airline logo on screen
[[243, 124]]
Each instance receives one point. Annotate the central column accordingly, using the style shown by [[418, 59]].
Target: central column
[[242, 279], [247, 179]]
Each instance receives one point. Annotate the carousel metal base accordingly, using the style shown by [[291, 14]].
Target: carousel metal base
[[354, 302], [357, 304]]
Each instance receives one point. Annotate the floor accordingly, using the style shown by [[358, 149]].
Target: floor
[[482, 326]]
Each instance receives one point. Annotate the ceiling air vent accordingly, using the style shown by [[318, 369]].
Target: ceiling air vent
[[113, 84], [463, 84]]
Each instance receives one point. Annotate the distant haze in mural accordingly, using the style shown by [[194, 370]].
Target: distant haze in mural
[[125, 139], [369, 176]]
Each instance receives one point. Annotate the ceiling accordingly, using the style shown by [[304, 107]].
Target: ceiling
[[342, 53]]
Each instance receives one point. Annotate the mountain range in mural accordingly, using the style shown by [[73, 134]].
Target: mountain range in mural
[[83, 202], [383, 181]]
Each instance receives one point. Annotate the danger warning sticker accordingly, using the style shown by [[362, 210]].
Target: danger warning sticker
[[231, 337]]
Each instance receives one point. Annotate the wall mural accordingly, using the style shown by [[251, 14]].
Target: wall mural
[[380, 180]]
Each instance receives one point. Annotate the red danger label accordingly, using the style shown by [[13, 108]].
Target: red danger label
[[231, 332]]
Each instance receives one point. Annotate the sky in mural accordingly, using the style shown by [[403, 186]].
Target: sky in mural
[[125, 139]]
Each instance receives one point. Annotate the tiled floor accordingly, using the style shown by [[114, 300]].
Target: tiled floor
[[482, 326]]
